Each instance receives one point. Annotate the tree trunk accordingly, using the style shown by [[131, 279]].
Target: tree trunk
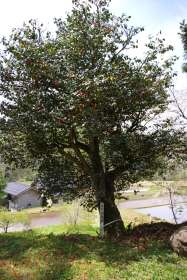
[[113, 224], [6, 227], [104, 187]]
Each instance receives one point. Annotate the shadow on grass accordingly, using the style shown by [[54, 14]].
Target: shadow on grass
[[29, 255]]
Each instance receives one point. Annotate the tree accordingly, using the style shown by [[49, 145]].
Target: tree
[[2, 181], [2, 185], [85, 108], [8, 219], [183, 34]]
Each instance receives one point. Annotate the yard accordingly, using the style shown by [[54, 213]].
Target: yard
[[75, 252]]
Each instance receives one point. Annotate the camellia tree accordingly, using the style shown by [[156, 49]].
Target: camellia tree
[[86, 109]]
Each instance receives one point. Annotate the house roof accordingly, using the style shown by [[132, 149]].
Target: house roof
[[15, 188]]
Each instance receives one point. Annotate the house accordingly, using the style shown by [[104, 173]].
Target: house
[[21, 196]]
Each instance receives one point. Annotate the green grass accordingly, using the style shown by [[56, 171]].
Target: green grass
[[64, 253]]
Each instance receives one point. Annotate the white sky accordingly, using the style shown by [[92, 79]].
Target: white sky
[[154, 15]]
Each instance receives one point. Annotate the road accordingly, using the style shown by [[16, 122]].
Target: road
[[55, 217], [151, 202]]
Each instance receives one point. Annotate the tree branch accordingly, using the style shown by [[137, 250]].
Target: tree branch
[[116, 172], [75, 145], [128, 40], [178, 106], [83, 146]]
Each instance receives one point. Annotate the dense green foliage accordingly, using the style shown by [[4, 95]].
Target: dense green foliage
[[2, 181], [83, 107], [2, 185]]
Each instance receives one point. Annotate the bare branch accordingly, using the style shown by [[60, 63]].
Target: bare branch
[[178, 105], [128, 40]]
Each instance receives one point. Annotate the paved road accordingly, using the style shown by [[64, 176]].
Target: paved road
[[151, 202]]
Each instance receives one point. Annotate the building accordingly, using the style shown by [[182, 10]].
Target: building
[[21, 196]]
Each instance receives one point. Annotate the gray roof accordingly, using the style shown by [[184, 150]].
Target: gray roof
[[15, 188]]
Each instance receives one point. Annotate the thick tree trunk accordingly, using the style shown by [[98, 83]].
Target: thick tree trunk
[[104, 187], [113, 224]]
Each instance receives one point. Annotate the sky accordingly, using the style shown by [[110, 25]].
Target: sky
[[154, 15]]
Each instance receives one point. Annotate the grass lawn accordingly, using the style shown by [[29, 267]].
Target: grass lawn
[[75, 252], [64, 253]]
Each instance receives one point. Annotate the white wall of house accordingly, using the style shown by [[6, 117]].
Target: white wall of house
[[12, 205], [27, 199]]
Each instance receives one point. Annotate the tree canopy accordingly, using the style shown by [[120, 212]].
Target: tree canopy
[[183, 34], [81, 105]]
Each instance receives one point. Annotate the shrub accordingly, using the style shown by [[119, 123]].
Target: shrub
[[8, 219]]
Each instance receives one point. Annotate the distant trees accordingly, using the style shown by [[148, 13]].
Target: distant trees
[[13, 173], [2, 180], [2, 184], [183, 34]]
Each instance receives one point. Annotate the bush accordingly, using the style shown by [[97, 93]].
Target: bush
[[8, 219]]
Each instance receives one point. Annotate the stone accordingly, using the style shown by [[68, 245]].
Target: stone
[[178, 241]]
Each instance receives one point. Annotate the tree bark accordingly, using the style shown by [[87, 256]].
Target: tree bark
[[104, 187], [113, 223]]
